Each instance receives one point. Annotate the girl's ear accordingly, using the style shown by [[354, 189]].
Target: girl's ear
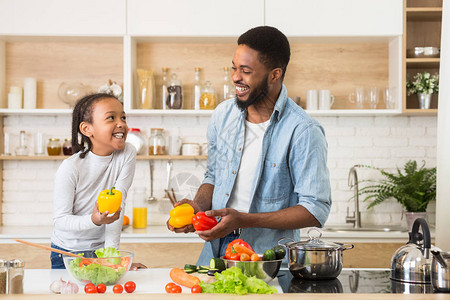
[[86, 129]]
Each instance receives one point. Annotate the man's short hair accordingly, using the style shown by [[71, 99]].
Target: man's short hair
[[272, 45]]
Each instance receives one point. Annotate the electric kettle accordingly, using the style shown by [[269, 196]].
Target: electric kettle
[[412, 262]]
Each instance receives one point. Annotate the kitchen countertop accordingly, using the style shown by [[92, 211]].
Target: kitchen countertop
[[160, 234], [150, 284]]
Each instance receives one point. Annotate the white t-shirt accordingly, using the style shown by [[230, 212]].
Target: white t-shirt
[[240, 196], [78, 182]]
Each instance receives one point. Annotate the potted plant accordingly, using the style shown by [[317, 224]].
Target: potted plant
[[412, 187], [424, 86]]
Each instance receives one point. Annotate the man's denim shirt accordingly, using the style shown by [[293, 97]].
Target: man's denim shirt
[[292, 168]]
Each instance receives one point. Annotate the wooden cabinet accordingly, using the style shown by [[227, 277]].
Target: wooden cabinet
[[63, 17], [193, 17], [326, 18], [422, 28]]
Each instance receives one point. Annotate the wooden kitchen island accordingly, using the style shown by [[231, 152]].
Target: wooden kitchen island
[[150, 284]]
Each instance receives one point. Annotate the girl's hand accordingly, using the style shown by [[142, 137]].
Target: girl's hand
[[99, 218]]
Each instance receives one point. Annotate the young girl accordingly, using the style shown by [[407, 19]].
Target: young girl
[[100, 161]]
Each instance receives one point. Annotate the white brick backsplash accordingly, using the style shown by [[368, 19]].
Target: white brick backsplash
[[408, 152], [423, 121], [355, 141], [422, 141], [383, 142], [391, 142]]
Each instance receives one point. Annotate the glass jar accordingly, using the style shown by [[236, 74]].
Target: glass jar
[[15, 276], [208, 98], [3, 275], [67, 147], [229, 90], [157, 143], [136, 139], [22, 149], [175, 96], [146, 88], [139, 208], [53, 146]]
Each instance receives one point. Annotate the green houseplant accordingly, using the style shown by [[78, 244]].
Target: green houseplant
[[424, 86], [413, 187]]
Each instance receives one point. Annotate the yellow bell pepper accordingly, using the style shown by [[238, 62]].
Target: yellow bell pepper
[[181, 215], [109, 200]]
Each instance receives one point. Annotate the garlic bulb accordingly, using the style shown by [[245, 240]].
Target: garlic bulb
[[56, 285], [69, 288]]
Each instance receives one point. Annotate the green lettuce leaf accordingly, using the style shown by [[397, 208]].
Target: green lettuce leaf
[[108, 252], [233, 281]]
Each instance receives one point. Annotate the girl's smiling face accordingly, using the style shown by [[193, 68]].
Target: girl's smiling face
[[109, 128]]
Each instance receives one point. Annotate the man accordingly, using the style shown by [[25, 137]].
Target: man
[[266, 171]]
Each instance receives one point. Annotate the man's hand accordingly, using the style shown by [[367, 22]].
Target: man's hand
[[102, 218], [136, 266], [230, 220], [188, 228]]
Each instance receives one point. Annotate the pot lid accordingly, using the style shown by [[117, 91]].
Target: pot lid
[[314, 243]]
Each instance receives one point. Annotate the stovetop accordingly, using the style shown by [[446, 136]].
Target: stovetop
[[367, 281]]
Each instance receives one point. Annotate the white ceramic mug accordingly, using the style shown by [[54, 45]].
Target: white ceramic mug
[[190, 149], [326, 100], [175, 143], [311, 99]]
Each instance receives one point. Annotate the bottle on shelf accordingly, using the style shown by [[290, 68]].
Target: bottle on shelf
[[157, 142], [197, 87], [146, 88], [139, 208], [164, 92], [175, 93], [229, 91], [208, 99]]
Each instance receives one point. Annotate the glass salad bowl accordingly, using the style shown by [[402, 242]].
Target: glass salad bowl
[[262, 269], [106, 270]]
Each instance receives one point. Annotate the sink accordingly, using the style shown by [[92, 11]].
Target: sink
[[373, 228]]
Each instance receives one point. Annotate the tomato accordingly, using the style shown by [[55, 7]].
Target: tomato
[[129, 286], [118, 289], [101, 288], [196, 289], [90, 288], [169, 287], [176, 289]]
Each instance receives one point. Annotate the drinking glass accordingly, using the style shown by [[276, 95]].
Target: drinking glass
[[357, 97], [389, 98], [373, 97]]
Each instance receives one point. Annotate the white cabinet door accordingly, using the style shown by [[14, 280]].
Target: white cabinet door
[[336, 17], [63, 17], [193, 17]]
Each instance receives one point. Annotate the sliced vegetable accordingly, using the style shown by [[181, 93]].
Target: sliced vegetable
[[203, 222], [181, 277], [203, 271], [217, 263]]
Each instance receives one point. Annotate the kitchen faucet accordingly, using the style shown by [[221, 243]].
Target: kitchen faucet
[[353, 183]]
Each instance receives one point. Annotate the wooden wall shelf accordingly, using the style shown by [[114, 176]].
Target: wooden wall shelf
[[420, 112], [423, 63], [139, 157], [424, 14]]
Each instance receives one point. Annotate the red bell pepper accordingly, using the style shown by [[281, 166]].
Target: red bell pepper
[[231, 254], [201, 221]]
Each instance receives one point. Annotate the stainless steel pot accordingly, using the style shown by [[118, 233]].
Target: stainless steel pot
[[314, 259], [440, 271]]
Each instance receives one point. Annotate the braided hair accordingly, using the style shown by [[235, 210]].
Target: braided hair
[[83, 113]]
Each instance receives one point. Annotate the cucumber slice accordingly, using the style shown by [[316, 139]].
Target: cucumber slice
[[189, 271], [213, 271], [203, 268], [203, 271], [217, 263], [190, 267]]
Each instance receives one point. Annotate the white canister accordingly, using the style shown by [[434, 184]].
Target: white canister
[[190, 149], [29, 93], [15, 97]]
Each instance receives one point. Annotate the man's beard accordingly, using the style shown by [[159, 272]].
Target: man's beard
[[256, 96]]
